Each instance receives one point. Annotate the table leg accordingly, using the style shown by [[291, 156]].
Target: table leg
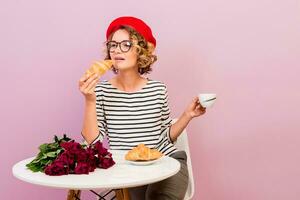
[[122, 194], [101, 197], [73, 195]]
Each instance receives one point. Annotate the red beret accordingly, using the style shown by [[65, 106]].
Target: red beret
[[135, 23]]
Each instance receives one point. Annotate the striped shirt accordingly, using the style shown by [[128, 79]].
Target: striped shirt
[[128, 119]]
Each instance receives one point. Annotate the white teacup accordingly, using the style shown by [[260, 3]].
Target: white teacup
[[207, 100]]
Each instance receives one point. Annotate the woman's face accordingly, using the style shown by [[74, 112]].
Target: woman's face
[[123, 58]]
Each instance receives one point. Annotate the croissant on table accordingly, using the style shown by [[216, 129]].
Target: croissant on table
[[99, 67], [142, 153]]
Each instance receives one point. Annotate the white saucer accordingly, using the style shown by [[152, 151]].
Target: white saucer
[[143, 163]]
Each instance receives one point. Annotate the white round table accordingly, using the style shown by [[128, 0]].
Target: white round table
[[122, 175]]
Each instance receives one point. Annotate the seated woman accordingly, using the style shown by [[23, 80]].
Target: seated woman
[[131, 109]]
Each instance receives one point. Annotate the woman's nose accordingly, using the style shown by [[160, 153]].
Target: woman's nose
[[118, 49]]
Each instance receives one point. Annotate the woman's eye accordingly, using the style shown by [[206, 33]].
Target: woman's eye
[[127, 44]]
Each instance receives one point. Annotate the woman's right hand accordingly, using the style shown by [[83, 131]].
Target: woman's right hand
[[87, 84]]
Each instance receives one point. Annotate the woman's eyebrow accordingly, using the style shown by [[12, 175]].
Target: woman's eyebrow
[[119, 41]]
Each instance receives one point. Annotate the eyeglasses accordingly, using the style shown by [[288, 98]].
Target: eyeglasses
[[125, 46]]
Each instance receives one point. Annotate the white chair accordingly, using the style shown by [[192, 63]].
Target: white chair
[[183, 144]]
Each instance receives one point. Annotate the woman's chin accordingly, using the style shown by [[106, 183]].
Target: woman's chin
[[123, 68]]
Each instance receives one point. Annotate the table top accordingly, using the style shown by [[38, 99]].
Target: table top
[[123, 174]]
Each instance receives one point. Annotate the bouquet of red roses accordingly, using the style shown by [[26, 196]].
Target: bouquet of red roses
[[65, 156]]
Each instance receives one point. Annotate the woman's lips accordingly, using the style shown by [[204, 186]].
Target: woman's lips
[[119, 59]]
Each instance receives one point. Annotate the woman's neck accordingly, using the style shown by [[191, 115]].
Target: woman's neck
[[129, 80]]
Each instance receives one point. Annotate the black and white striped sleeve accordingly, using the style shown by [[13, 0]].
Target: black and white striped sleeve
[[101, 122], [165, 117]]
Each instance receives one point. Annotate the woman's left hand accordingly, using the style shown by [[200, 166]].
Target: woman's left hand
[[194, 109]]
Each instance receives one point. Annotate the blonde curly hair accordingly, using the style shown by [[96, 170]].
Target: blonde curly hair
[[144, 49]]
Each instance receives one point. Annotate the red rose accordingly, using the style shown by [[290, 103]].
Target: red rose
[[67, 157], [82, 168], [57, 168], [101, 151], [71, 146], [82, 156], [106, 162], [79, 160]]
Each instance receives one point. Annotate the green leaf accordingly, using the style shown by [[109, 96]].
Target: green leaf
[[51, 154], [48, 162], [43, 162], [40, 154], [35, 161], [58, 151], [29, 164], [34, 167], [48, 153], [44, 156], [52, 146], [43, 147]]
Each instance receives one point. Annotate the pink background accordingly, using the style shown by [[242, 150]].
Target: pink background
[[248, 52]]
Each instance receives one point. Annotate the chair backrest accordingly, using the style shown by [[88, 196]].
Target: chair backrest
[[183, 144]]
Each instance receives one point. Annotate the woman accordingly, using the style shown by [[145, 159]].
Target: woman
[[131, 109]]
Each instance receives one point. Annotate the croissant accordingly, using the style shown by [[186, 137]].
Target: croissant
[[99, 67], [142, 153]]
